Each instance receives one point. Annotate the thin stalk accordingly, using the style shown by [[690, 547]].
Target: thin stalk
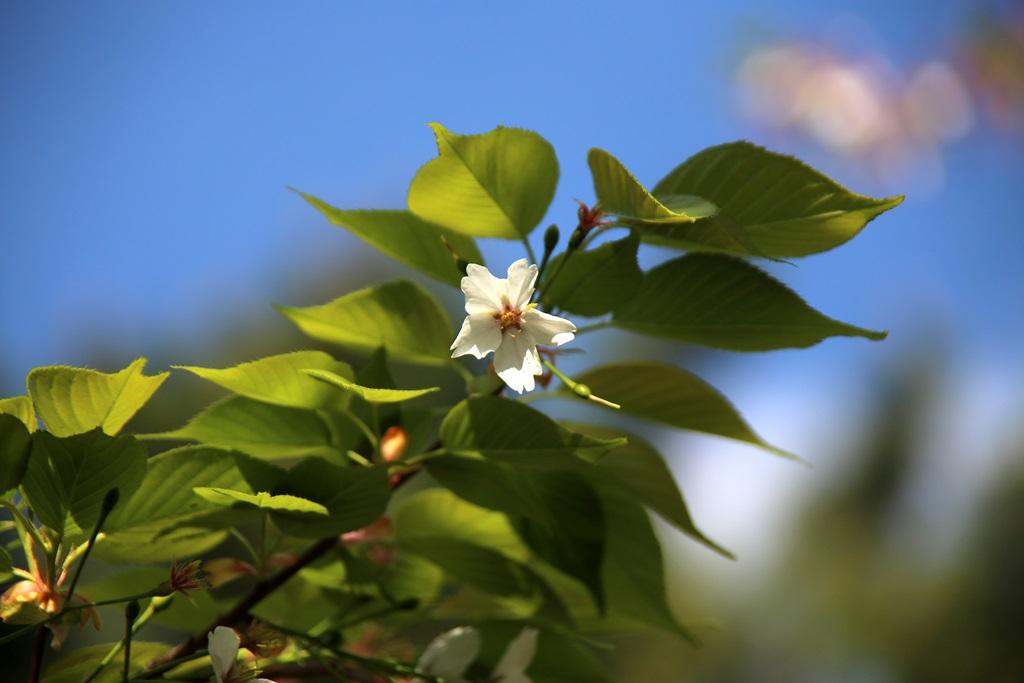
[[240, 537], [71, 608], [38, 651], [131, 613], [529, 250], [581, 390], [150, 674], [109, 501], [28, 533], [155, 606], [379, 665]]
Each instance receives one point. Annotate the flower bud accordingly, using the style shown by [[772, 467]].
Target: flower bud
[[581, 390], [551, 238], [577, 239], [393, 444], [110, 500], [132, 609]]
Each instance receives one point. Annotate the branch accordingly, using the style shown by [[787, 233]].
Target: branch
[[240, 612]]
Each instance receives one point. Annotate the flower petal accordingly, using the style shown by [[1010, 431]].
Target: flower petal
[[450, 654], [521, 279], [479, 336], [483, 291], [548, 329], [222, 644], [517, 657], [517, 362]]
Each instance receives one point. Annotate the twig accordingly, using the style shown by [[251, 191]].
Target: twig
[[261, 590], [38, 650]]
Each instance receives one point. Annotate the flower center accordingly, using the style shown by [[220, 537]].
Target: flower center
[[509, 316]]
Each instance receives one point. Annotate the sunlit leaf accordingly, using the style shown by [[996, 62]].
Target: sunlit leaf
[[67, 478], [784, 207], [372, 394], [261, 429], [400, 316], [406, 238], [75, 400], [594, 282], [727, 303], [496, 184], [671, 396], [20, 407], [620, 193], [260, 501], [279, 379]]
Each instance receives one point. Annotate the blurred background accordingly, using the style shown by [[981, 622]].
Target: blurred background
[[148, 147]]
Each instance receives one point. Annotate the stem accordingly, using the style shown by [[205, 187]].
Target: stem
[[240, 537], [260, 591], [131, 613], [38, 651], [529, 250], [150, 674], [28, 533], [546, 285], [156, 605], [109, 501], [581, 390], [379, 665], [71, 608]]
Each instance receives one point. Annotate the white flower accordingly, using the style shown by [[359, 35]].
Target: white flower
[[501, 320], [222, 644], [450, 654]]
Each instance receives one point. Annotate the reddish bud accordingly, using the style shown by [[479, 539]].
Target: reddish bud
[[393, 444]]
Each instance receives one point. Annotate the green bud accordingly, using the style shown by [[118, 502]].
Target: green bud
[[551, 238], [581, 390]]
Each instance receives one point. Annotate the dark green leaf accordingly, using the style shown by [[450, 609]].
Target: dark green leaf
[[353, 496], [594, 282], [15, 446], [260, 429], [671, 396], [67, 478], [784, 207], [638, 472], [727, 303], [503, 429], [496, 184]]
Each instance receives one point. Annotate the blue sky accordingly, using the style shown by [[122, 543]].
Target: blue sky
[[147, 148]]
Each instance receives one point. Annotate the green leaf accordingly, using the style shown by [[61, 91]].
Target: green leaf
[[556, 512], [637, 471], [508, 430], [784, 207], [671, 396], [6, 565], [633, 570], [68, 477], [76, 400], [594, 282], [559, 658], [353, 496], [497, 184], [400, 316], [437, 513], [260, 501], [619, 192], [371, 394], [727, 303], [472, 544], [74, 666], [164, 520], [278, 379], [20, 407], [15, 447], [260, 429], [406, 238]]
